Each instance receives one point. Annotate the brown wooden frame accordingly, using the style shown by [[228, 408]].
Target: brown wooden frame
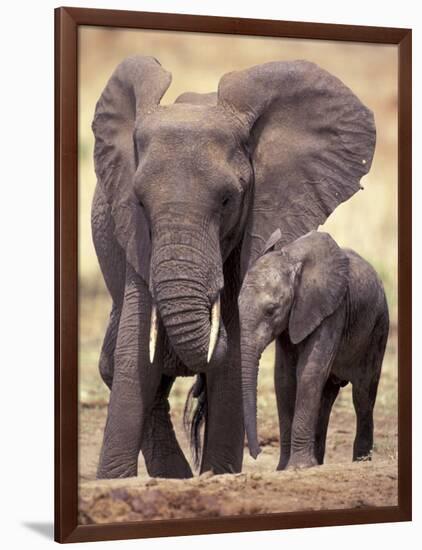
[[67, 21]]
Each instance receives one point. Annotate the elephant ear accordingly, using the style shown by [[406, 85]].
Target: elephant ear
[[136, 87], [310, 140], [321, 281]]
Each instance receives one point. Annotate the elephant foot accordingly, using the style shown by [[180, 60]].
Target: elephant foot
[[114, 472], [284, 456], [172, 467], [282, 465], [220, 468], [114, 465], [301, 461], [363, 457]]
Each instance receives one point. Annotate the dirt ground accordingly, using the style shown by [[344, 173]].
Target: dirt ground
[[257, 490], [326, 487], [339, 483]]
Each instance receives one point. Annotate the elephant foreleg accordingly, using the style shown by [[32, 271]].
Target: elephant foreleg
[[134, 386], [162, 453], [316, 355], [224, 430], [224, 435], [285, 390]]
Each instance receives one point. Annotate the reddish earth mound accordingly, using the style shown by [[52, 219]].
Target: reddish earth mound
[[354, 485]]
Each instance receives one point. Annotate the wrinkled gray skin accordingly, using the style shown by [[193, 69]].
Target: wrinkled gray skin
[[187, 195], [327, 310]]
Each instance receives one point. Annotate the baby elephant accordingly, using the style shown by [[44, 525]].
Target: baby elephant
[[327, 310]]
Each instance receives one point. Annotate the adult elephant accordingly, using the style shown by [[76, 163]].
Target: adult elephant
[[187, 196]]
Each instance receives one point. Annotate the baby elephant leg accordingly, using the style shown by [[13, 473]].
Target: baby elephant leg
[[365, 392], [285, 390], [329, 395], [315, 359], [309, 394], [363, 401]]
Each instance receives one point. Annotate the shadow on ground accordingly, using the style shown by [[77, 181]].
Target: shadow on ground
[[44, 529]]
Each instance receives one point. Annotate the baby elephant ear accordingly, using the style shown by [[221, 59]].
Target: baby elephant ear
[[272, 241], [321, 284], [135, 87], [310, 140], [195, 98]]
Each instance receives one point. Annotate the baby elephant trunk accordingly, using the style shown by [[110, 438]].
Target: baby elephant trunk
[[250, 367]]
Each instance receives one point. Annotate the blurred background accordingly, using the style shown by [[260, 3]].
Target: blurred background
[[367, 222]]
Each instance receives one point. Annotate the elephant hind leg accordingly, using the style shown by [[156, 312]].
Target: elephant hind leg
[[329, 395], [162, 453], [195, 418], [363, 401], [365, 393]]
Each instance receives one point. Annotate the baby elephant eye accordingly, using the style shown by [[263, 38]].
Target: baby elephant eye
[[270, 309]]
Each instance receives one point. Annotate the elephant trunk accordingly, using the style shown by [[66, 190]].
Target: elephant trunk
[[187, 279], [250, 367]]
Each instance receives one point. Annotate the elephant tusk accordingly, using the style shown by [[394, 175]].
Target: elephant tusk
[[215, 325], [153, 333]]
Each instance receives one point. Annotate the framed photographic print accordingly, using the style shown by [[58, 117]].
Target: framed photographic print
[[233, 275]]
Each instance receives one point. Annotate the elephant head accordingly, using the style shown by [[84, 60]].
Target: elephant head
[[280, 145], [293, 288]]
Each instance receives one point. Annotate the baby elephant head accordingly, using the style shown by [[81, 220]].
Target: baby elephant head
[[290, 289]]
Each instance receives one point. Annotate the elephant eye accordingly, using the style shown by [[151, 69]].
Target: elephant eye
[[141, 204], [225, 201], [270, 309]]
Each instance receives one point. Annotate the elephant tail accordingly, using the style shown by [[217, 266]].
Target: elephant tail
[[194, 418]]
